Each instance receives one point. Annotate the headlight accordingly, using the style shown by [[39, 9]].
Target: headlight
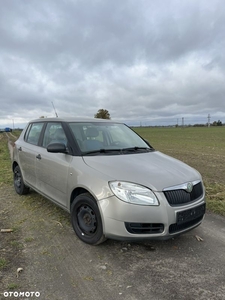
[[133, 193]]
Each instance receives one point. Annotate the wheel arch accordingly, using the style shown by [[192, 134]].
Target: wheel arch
[[82, 190], [78, 191], [14, 164]]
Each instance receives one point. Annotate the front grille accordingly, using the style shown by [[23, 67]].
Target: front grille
[[179, 227], [144, 228], [177, 197]]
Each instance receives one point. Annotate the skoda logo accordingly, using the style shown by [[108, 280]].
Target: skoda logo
[[189, 187]]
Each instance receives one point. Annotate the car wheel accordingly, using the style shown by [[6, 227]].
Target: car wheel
[[19, 185], [86, 219]]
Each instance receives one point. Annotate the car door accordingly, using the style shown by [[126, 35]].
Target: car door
[[27, 152], [53, 168]]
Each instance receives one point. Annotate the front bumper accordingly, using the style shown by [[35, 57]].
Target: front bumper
[[125, 221]]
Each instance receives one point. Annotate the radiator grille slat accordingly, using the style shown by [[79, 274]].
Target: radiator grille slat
[[177, 197]]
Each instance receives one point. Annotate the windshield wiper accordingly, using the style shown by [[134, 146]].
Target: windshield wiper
[[118, 151], [134, 149], [100, 151]]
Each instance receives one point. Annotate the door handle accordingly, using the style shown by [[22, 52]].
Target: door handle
[[38, 156], [20, 149]]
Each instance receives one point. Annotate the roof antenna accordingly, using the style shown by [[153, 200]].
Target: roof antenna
[[54, 110]]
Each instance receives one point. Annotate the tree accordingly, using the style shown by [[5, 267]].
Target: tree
[[102, 114], [217, 123]]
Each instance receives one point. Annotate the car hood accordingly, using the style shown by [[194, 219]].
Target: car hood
[[154, 169]]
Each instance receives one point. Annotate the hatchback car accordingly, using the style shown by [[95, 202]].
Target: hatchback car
[[113, 182]]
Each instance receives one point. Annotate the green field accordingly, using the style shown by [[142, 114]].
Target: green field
[[201, 147]]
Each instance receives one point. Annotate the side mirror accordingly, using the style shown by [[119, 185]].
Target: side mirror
[[57, 148]]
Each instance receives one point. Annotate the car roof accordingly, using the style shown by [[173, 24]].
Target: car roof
[[93, 120]]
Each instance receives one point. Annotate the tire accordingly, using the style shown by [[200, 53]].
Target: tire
[[19, 185], [86, 219]]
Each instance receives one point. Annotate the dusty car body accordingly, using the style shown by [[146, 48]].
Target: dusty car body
[[114, 183]]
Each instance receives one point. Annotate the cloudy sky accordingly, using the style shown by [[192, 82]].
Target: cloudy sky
[[145, 61]]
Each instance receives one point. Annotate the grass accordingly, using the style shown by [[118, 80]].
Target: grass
[[28, 239], [3, 263], [5, 162], [16, 245], [13, 286]]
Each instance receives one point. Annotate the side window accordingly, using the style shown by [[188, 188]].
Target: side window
[[27, 132], [54, 133], [32, 136]]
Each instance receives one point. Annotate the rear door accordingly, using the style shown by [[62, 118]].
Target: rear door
[[27, 153]]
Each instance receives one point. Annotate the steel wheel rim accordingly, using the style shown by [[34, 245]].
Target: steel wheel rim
[[17, 179], [87, 220]]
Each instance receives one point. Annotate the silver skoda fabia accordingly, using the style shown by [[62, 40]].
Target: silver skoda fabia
[[113, 183]]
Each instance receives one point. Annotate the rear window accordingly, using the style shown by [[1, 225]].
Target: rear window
[[33, 133]]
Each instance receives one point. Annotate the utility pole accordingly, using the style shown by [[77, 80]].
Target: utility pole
[[208, 120], [182, 121]]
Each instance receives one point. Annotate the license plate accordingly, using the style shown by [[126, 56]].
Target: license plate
[[190, 214]]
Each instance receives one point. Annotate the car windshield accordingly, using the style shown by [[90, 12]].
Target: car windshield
[[107, 138]]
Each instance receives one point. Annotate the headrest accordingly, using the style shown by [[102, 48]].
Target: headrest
[[92, 132]]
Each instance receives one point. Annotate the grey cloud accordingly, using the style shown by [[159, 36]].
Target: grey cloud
[[138, 59]]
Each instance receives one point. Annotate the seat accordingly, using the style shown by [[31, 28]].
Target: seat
[[91, 143]]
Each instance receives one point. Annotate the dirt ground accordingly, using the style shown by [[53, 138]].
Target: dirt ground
[[58, 265]]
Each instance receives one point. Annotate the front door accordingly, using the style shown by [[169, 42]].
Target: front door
[[53, 168]]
